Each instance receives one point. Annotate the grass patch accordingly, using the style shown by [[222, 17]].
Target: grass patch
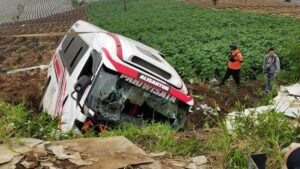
[[17, 121], [157, 137], [268, 132]]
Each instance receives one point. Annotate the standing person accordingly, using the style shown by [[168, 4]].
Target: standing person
[[271, 67], [234, 65]]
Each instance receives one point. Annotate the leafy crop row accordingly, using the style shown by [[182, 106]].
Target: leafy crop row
[[196, 40]]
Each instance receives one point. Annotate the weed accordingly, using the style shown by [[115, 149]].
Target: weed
[[267, 132], [156, 137], [16, 121]]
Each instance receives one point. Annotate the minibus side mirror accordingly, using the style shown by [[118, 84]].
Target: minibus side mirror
[[82, 83]]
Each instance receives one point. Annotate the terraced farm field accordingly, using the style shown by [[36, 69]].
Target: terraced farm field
[[275, 7], [24, 10], [26, 52]]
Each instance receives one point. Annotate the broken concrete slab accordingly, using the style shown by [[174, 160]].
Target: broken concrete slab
[[12, 163], [294, 90], [110, 152], [7, 154], [58, 151], [23, 145], [287, 101], [78, 160]]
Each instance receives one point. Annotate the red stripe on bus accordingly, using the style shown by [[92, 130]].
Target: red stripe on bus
[[134, 74], [118, 44], [57, 66]]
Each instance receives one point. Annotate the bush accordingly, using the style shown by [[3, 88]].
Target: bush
[[291, 66]]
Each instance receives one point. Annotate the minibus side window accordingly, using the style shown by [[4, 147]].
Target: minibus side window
[[90, 67], [73, 49]]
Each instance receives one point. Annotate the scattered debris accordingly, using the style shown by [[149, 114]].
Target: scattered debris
[[59, 152], [200, 160], [294, 90], [24, 145], [31, 161], [177, 163], [116, 152], [9, 128], [7, 154], [12, 163], [47, 164], [157, 155], [287, 101], [41, 67], [78, 161], [191, 166]]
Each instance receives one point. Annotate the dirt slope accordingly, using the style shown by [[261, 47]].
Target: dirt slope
[[25, 52]]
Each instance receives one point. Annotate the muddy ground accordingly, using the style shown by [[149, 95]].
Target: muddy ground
[[25, 52], [274, 7]]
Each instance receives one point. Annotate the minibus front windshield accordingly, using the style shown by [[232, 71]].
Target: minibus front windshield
[[115, 100]]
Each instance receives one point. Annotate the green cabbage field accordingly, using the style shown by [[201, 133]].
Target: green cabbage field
[[196, 40]]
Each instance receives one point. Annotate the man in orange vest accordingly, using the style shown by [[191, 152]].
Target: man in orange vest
[[234, 65]]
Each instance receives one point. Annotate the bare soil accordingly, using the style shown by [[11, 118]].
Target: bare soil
[[26, 52], [223, 99], [258, 6]]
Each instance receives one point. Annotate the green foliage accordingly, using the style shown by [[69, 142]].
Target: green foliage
[[196, 40], [16, 121], [157, 137], [292, 64], [267, 132]]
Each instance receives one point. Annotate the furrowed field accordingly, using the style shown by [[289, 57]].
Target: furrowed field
[[196, 40]]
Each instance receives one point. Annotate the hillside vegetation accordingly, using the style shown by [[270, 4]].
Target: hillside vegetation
[[195, 39]]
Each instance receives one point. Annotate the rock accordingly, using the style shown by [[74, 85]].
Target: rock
[[29, 164], [177, 163], [78, 160], [40, 150], [9, 128], [7, 154], [155, 155], [214, 82], [31, 161], [200, 160], [25, 145], [58, 151], [46, 164], [12, 164], [191, 166], [30, 142]]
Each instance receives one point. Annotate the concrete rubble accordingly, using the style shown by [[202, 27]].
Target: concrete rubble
[[88, 153], [109, 153], [287, 101]]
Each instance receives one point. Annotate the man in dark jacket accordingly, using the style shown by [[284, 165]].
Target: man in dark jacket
[[271, 67]]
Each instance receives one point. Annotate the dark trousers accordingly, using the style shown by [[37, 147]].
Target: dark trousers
[[235, 74]]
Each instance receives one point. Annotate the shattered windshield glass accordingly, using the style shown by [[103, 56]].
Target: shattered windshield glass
[[117, 98]]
